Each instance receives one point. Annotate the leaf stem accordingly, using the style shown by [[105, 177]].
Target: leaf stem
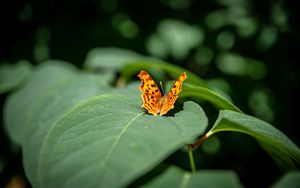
[[201, 140], [191, 157]]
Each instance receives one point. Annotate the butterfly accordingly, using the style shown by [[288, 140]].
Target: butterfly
[[153, 100]]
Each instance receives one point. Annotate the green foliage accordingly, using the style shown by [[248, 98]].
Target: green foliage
[[290, 180], [12, 76], [208, 95], [239, 56], [109, 138], [175, 177], [54, 88], [106, 58], [174, 38], [172, 70], [273, 141], [77, 130]]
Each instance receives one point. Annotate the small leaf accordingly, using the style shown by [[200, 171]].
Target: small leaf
[[109, 141], [175, 177], [190, 90], [281, 148], [173, 70], [110, 58], [290, 180], [12, 76]]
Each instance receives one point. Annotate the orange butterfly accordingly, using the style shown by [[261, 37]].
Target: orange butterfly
[[153, 101]]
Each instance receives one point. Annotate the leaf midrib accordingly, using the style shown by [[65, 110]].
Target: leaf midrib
[[184, 181], [115, 143]]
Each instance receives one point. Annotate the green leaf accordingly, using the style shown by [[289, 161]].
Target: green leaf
[[54, 89], [190, 90], [110, 58], [290, 180], [109, 141], [173, 70], [279, 146], [12, 76], [175, 177]]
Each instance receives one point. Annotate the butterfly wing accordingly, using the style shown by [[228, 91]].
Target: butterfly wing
[[151, 94], [170, 98]]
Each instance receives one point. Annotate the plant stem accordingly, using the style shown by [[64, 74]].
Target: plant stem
[[193, 146], [201, 140], [191, 157]]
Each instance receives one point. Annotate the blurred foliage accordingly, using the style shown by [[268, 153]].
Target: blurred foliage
[[246, 50], [291, 180]]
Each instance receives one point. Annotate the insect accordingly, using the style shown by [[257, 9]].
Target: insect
[[153, 100]]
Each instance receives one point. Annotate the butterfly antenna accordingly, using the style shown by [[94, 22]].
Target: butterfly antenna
[[162, 88]]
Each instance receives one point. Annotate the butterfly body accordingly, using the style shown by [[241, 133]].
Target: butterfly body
[[153, 100]]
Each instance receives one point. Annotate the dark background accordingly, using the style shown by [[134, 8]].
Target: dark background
[[67, 30]]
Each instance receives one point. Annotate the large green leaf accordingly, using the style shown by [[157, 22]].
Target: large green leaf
[[108, 141], [278, 145], [289, 180], [55, 87], [175, 177], [11, 76]]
